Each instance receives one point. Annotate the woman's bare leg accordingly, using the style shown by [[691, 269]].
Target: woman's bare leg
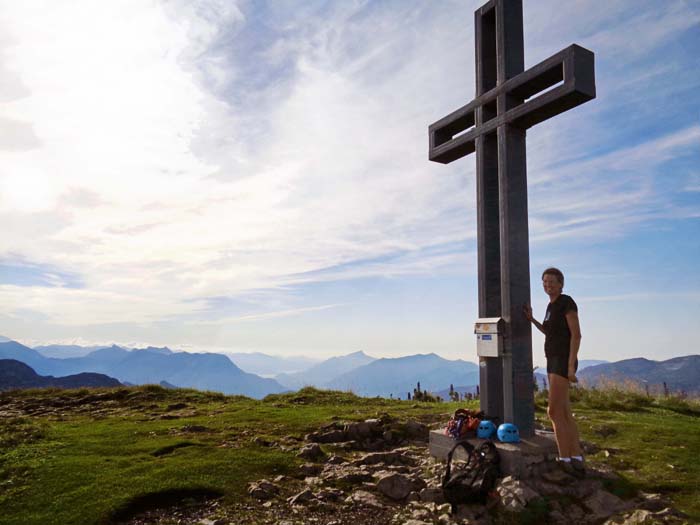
[[559, 412], [574, 443]]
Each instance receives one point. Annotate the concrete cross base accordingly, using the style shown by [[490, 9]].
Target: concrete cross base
[[531, 457]]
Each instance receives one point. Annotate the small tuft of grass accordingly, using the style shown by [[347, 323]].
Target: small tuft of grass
[[314, 396], [680, 405], [609, 399], [15, 431], [624, 397]]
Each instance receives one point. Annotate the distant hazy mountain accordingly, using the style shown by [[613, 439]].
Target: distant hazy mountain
[[585, 363], [254, 363], [63, 351], [679, 373], [157, 350], [320, 374], [15, 374], [151, 365], [14, 350], [4, 339], [398, 376], [270, 365]]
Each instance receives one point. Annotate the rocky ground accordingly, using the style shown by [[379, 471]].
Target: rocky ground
[[380, 472]]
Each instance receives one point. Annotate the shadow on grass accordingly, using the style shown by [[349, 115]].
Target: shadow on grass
[[160, 500], [169, 449], [621, 487]]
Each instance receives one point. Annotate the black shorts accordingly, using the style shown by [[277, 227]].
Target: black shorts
[[559, 364]]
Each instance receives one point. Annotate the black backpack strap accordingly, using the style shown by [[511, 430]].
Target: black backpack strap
[[488, 450], [487, 447], [468, 448]]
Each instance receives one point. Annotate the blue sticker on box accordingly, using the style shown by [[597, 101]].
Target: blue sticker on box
[[486, 337]]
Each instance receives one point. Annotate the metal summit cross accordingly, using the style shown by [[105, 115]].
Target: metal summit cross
[[508, 101]]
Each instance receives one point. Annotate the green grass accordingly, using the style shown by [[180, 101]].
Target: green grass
[[89, 456], [78, 468], [653, 441]]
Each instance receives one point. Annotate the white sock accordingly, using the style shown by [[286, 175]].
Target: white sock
[[565, 460], [578, 458]]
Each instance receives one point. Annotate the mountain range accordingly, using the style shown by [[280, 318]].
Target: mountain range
[[151, 365], [356, 372], [387, 377], [398, 376], [271, 365], [63, 351], [679, 373], [319, 375], [15, 374]]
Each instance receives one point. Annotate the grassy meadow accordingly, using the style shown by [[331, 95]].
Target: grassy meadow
[[100, 455]]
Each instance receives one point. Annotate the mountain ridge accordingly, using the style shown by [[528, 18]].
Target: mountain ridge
[[319, 374], [63, 351], [271, 365], [202, 371], [396, 377], [387, 377], [15, 374], [679, 373]]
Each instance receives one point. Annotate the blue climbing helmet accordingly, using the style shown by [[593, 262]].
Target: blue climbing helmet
[[508, 433], [486, 429]]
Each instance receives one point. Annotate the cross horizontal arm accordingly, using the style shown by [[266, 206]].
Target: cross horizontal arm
[[573, 67]]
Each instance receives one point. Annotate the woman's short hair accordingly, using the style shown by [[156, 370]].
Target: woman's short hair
[[556, 272]]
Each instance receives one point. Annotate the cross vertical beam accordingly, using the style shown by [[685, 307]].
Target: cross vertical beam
[[502, 194], [518, 394], [508, 101], [489, 267], [487, 216]]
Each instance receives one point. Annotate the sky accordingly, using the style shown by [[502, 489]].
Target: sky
[[240, 176]]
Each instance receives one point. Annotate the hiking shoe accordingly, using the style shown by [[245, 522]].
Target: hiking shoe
[[579, 467], [569, 468]]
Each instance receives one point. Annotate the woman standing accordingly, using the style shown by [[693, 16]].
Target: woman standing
[[562, 340]]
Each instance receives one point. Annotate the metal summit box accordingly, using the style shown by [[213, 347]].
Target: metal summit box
[[489, 336]]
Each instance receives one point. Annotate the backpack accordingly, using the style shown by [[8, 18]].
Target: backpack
[[463, 423], [472, 482]]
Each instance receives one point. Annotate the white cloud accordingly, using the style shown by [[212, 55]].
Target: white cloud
[[173, 159], [267, 315], [607, 194], [71, 307]]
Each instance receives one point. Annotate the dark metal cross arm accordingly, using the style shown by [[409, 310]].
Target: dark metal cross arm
[[451, 137]]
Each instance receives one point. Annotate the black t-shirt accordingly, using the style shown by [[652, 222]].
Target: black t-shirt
[[557, 334]]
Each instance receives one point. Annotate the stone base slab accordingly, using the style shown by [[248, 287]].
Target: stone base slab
[[530, 457]]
